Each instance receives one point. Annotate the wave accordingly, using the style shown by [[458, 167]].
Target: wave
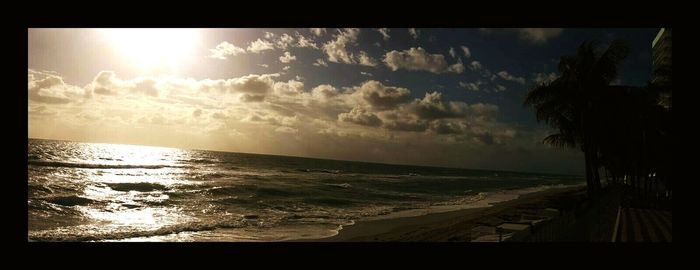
[[70, 200], [343, 185], [91, 234], [96, 166], [140, 186], [320, 170]]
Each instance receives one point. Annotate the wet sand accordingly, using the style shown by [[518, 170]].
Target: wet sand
[[454, 225]]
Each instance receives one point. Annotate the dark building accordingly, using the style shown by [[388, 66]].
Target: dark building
[[661, 51]]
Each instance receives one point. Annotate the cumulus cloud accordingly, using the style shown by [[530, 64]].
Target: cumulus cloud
[[508, 77], [472, 86], [49, 88], [432, 107], [414, 33], [456, 68], [291, 87], [452, 52], [467, 52], [287, 58], [366, 73], [418, 59], [147, 86], [105, 83], [305, 43], [318, 31], [360, 116], [399, 120], [252, 84], [540, 78], [260, 45], [336, 50], [325, 91], [284, 41], [445, 127], [413, 125], [385, 33], [382, 97], [320, 63], [225, 49], [366, 60], [475, 65]]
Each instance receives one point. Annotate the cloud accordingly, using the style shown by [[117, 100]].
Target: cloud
[[385, 33], [252, 98], [431, 107], [147, 86], [325, 91], [360, 116], [444, 127], [264, 65], [414, 33], [318, 31], [286, 130], [472, 86], [105, 83], [475, 65], [366, 73], [540, 78], [415, 59], [508, 77], [336, 50], [382, 97], [285, 68], [319, 62], [467, 52], [291, 87], [260, 45], [456, 68], [225, 49], [499, 88], [366, 60], [51, 89], [284, 41], [305, 43], [536, 36], [287, 58], [412, 125], [539, 35], [452, 52]]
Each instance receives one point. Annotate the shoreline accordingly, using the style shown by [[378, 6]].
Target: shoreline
[[444, 226]]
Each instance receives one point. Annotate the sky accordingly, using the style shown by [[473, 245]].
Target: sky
[[425, 96]]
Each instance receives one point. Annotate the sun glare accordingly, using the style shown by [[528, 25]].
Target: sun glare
[[154, 50]]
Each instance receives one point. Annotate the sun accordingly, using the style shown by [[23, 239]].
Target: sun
[[154, 50]]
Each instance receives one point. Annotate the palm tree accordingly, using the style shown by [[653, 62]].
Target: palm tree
[[570, 102]]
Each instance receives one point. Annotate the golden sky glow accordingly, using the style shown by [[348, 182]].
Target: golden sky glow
[[153, 50]]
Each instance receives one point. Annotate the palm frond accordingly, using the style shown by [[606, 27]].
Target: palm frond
[[560, 140]]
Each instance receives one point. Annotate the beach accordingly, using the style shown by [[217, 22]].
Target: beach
[[455, 225]]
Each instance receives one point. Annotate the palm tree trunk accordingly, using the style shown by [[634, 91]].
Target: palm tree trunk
[[587, 160]]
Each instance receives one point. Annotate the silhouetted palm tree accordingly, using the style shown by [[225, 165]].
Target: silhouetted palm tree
[[570, 102]]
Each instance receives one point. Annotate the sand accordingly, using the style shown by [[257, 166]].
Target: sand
[[454, 225]]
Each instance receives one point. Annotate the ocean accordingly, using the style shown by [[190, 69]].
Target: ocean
[[111, 192]]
